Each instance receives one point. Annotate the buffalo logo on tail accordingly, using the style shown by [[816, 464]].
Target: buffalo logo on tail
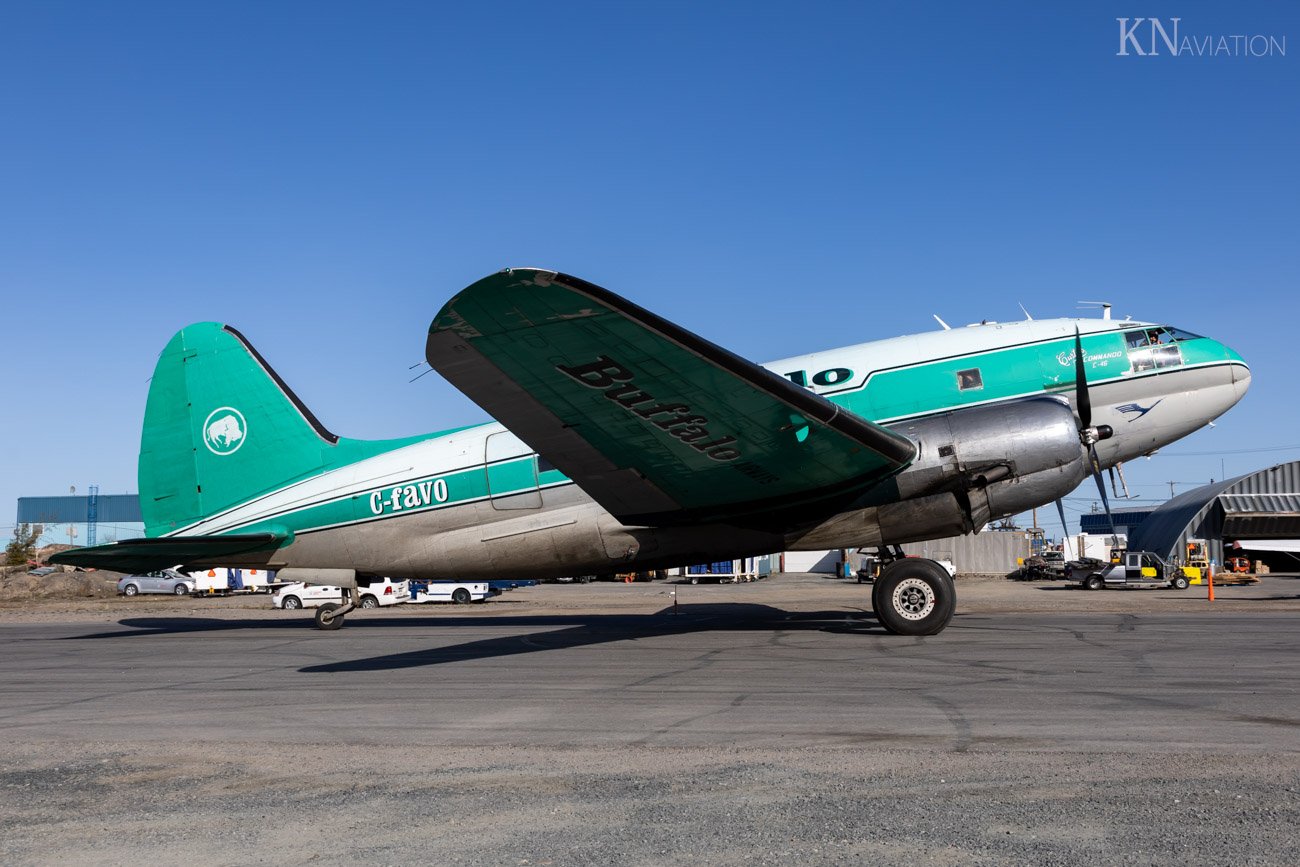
[[224, 430]]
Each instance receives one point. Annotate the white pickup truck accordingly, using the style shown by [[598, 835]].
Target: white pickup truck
[[460, 592], [371, 593]]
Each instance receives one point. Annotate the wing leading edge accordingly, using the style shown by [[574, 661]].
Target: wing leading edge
[[657, 424]]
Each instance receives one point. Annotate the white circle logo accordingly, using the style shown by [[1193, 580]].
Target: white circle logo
[[224, 430]]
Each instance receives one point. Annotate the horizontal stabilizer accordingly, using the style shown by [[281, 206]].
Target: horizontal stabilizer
[[147, 555], [657, 424]]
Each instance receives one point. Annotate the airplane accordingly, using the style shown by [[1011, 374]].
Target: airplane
[[624, 441]]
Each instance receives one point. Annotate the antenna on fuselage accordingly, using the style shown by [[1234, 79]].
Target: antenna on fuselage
[[946, 326], [1104, 305], [1028, 318]]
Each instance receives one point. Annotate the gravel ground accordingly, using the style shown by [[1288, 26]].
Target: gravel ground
[[298, 797], [248, 803]]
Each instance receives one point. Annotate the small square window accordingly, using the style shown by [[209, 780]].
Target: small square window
[[968, 380]]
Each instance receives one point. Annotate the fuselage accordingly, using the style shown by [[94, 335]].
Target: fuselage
[[478, 502]]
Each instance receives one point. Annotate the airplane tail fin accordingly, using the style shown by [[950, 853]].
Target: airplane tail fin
[[220, 428]]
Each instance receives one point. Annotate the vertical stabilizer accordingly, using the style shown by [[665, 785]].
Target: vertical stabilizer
[[220, 428]]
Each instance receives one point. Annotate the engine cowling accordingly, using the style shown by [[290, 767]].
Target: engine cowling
[[973, 466]]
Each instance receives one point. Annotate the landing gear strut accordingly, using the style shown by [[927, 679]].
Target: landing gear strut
[[330, 616], [913, 596]]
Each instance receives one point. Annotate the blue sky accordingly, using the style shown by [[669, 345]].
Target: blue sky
[[780, 178]]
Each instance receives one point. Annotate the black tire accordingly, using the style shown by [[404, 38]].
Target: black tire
[[914, 597], [291, 603], [1094, 582], [130, 590], [1180, 582], [181, 590], [584, 579], [695, 579], [369, 601], [326, 618], [460, 596]]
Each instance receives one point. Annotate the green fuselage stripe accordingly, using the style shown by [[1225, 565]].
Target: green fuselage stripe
[[885, 395]]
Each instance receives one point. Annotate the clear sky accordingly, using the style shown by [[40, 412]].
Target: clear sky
[[780, 178]]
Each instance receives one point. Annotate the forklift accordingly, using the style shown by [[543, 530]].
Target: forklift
[[1139, 568]]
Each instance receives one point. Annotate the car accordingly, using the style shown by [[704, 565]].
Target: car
[[163, 581], [459, 592], [371, 593]]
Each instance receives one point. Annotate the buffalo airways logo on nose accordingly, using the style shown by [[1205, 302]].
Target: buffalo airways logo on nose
[[224, 430], [1137, 408]]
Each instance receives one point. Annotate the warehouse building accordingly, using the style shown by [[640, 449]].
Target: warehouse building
[[1260, 508]]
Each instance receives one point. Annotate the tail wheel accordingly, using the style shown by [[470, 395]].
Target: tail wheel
[[327, 619], [914, 597]]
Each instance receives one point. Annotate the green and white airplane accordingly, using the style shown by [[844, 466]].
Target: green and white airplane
[[626, 442]]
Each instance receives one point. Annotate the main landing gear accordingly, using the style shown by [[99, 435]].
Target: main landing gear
[[913, 596], [330, 616]]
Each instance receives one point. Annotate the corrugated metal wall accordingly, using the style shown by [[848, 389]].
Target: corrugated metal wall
[[72, 509], [989, 553]]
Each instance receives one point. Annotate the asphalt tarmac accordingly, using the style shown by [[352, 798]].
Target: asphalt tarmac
[[731, 731]]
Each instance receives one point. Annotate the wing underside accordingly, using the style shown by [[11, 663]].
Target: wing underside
[[657, 424]]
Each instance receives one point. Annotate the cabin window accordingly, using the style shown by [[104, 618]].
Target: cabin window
[[1154, 348], [969, 380]]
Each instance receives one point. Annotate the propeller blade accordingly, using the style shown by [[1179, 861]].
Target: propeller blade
[[1101, 486], [1081, 398], [1065, 530]]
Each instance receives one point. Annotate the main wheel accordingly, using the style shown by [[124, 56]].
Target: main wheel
[[914, 597], [460, 596], [181, 590], [1094, 582], [291, 603], [130, 590], [327, 619], [369, 601], [1180, 582]]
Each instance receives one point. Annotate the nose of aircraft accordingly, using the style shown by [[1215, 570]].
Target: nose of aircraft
[[1240, 372]]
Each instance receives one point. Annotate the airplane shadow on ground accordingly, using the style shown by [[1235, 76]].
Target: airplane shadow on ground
[[545, 632]]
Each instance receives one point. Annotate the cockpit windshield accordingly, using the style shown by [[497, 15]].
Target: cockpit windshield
[[1156, 346], [1157, 335]]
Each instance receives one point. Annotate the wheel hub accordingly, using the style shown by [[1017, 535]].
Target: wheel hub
[[914, 599]]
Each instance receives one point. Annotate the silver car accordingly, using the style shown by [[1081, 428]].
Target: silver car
[[166, 581]]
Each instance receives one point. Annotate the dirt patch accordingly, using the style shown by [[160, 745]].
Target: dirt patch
[[17, 584]]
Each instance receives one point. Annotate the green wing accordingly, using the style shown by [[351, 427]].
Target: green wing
[[657, 424]]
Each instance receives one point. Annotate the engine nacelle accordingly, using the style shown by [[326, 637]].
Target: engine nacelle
[[973, 448], [973, 466]]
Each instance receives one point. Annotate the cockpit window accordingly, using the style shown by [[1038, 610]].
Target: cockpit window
[[1180, 334], [1154, 348]]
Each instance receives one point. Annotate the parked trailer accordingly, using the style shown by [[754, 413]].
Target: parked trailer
[[729, 571], [222, 581]]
